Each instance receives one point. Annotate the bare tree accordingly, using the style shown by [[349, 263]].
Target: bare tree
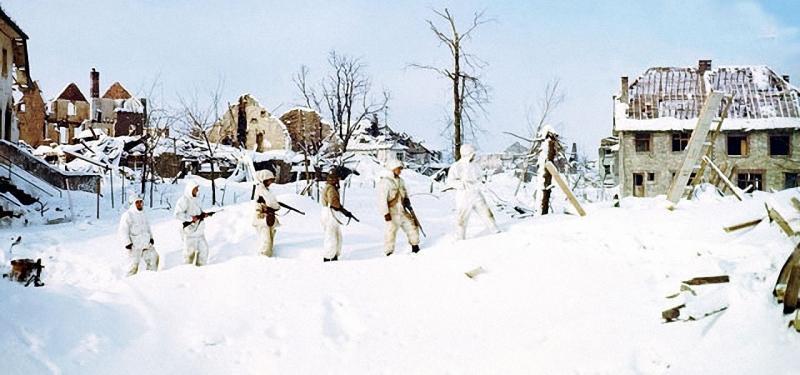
[[158, 120], [345, 92], [470, 93], [539, 114], [198, 120]]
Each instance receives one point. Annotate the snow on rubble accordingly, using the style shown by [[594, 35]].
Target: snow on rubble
[[559, 293]]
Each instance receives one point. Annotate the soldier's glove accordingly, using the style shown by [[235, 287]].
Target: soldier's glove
[[129, 246], [387, 217], [260, 200], [152, 242]]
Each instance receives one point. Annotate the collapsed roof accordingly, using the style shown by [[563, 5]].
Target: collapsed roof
[[662, 95]]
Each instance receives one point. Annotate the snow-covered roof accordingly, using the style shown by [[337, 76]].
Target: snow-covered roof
[[668, 98]]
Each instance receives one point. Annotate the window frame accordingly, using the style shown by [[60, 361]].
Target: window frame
[[681, 135], [761, 172], [746, 142], [636, 141], [788, 145]]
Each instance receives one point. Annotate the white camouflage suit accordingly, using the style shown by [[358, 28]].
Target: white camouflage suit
[[134, 230], [266, 233], [195, 247], [465, 177], [391, 192]]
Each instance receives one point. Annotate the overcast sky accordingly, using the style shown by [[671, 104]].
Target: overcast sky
[[256, 47]]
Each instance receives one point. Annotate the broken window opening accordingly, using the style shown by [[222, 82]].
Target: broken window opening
[[651, 176], [745, 179], [679, 141], [737, 145], [791, 180], [642, 142], [779, 145]]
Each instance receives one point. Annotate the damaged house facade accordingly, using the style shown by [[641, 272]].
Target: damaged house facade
[[71, 116], [249, 123], [383, 143], [758, 147], [14, 71]]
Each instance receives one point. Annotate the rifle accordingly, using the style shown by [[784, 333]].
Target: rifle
[[410, 211], [290, 208], [202, 216], [349, 215]]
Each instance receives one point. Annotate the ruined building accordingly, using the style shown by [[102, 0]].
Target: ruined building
[[306, 128], [71, 114], [654, 115], [32, 116], [14, 71], [249, 125], [117, 112]]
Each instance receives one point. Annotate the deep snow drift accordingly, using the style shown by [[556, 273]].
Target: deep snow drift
[[560, 293]]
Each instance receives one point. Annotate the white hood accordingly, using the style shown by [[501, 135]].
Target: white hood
[[187, 192]]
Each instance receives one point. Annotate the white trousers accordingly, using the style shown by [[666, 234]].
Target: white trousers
[[399, 220], [136, 256], [469, 202], [195, 250], [266, 239], [331, 235]]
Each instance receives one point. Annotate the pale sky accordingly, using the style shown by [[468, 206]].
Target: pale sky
[[256, 47]]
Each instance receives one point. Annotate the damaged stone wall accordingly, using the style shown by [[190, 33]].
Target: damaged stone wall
[[31, 117], [264, 131], [305, 127], [662, 162]]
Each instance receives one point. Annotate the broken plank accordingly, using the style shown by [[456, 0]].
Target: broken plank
[[695, 147], [783, 275], [673, 313], [475, 272], [563, 185], [728, 183], [792, 290], [797, 322], [776, 216], [746, 224], [708, 280]]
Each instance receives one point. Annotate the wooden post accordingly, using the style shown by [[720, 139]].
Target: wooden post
[[550, 167], [734, 188], [551, 155], [97, 190], [695, 147]]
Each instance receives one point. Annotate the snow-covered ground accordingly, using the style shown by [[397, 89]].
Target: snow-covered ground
[[559, 293]]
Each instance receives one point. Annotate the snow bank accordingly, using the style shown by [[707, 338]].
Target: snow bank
[[557, 293]]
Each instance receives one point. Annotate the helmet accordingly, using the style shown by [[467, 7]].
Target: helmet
[[265, 174], [393, 164], [467, 151], [133, 198]]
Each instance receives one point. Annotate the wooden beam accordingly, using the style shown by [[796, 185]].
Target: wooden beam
[[695, 148], [795, 203], [563, 185], [783, 276], [746, 224], [708, 280], [728, 183], [775, 216]]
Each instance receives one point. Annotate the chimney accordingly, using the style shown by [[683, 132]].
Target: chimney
[[623, 96], [94, 77], [703, 66], [786, 78]]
